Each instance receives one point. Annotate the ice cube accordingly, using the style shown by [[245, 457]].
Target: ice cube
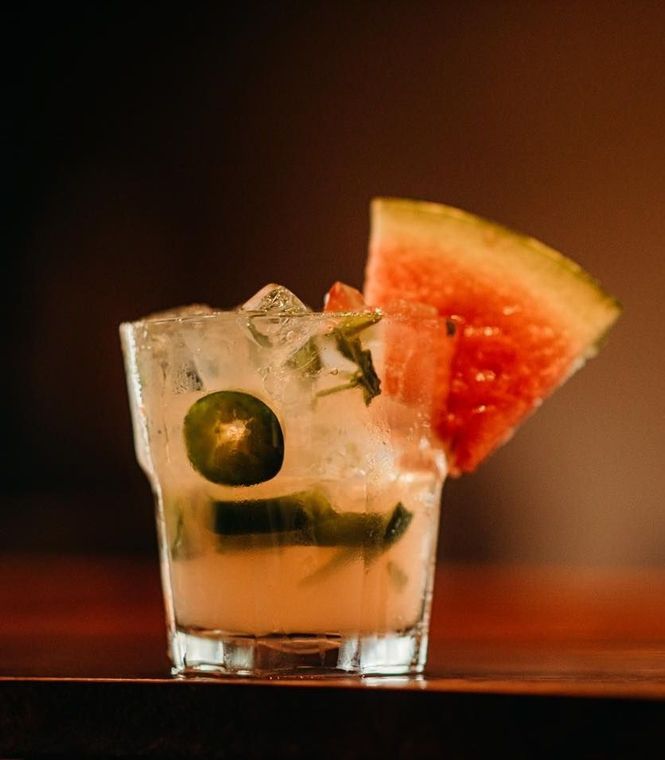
[[172, 350], [175, 346], [286, 355], [275, 298], [176, 361], [273, 318]]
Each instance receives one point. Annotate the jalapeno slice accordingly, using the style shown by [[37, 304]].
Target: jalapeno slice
[[233, 439]]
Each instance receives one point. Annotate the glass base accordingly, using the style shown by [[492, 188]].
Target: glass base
[[212, 653]]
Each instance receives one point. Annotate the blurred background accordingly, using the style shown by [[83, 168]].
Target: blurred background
[[156, 158]]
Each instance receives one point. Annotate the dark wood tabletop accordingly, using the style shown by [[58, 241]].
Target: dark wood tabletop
[[533, 660]]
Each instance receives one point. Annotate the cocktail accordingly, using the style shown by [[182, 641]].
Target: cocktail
[[298, 501], [298, 457]]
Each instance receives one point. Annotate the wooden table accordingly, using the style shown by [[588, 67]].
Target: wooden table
[[533, 661]]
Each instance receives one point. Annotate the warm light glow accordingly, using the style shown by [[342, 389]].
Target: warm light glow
[[233, 432]]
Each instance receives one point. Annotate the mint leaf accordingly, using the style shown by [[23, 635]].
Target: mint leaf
[[366, 377], [349, 345], [356, 323]]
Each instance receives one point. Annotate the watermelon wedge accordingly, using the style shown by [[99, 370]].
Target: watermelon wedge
[[527, 316]]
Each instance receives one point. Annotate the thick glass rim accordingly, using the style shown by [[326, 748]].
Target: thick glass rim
[[227, 314]]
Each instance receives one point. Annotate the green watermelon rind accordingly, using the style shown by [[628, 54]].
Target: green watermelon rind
[[577, 300]]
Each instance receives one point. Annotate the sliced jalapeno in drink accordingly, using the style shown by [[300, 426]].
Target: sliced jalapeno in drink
[[234, 439]]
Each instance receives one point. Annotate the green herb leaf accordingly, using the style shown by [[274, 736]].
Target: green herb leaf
[[356, 323], [349, 345]]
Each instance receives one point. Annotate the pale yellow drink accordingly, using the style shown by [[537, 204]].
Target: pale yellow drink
[[326, 563]]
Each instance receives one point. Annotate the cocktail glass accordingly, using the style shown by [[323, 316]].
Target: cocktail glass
[[297, 485]]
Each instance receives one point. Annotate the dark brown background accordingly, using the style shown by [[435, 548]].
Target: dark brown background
[[157, 158]]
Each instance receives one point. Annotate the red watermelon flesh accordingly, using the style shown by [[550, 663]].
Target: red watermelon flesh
[[527, 317], [419, 347], [343, 297]]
